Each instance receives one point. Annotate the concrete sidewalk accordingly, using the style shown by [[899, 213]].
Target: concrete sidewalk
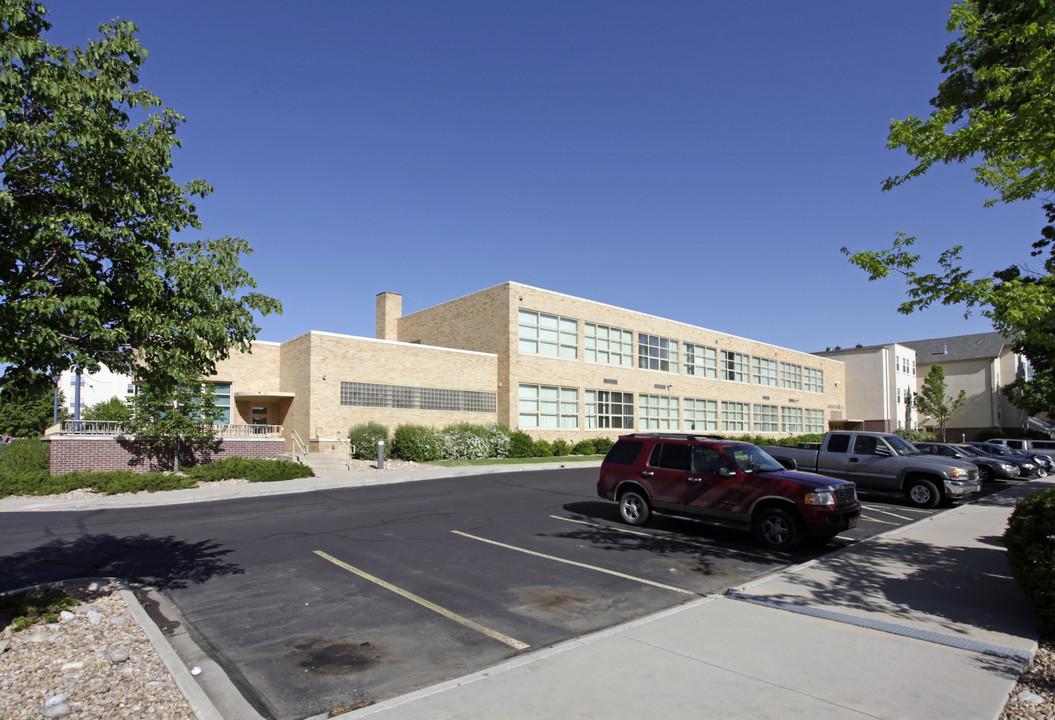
[[922, 622]]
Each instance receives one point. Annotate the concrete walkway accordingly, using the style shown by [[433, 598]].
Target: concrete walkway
[[922, 622]]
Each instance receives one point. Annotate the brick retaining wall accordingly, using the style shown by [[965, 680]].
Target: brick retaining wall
[[70, 453]]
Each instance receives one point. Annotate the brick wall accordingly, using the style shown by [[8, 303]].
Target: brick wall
[[70, 453]]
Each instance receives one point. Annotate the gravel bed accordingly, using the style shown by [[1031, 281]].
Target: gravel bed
[[96, 662], [1034, 695]]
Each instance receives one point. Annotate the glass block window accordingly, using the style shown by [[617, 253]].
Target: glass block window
[[548, 407], [657, 412], [736, 417], [609, 345], [606, 409], [735, 366], [814, 421], [791, 420], [763, 371], [765, 418], [701, 415], [701, 361], [550, 335], [813, 380], [657, 353], [790, 376], [359, 394]]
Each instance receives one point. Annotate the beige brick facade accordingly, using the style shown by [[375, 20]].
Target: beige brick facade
[[474, 344]]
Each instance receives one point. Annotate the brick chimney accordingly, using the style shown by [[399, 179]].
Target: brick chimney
[[389, 310]]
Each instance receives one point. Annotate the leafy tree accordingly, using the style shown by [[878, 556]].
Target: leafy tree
[[90, 270], [933, 401], [113, 410], [28, 408], [175, 426], [994, 108]]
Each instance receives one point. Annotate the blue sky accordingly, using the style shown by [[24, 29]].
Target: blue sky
[[702, 161]]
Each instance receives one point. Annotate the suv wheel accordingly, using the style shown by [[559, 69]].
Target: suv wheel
[[923, 494], [985, 473], [778, 529], [633, 508]]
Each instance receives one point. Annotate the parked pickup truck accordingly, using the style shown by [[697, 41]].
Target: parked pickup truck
[[883, 461]]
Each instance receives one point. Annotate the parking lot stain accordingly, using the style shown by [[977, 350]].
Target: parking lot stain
[[571, 608], [332, 657]]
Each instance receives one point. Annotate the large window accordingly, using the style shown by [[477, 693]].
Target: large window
[[610, 345], [814, 421], [550, 335], [606, 409], [359, 394], [813, 380], [701, 414], [222, 399], [763, 371], [657, 353], [735, 366], [736, 417], [544, 406], [701, 361], [791, 420], [764, 418], [657, 412], [790, 376]]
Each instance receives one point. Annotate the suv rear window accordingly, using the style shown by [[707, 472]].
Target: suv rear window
[[624, 452]]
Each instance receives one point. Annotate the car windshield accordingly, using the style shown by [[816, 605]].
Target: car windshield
[[971, 450], [998, 450], [750, 458], [901, 445]]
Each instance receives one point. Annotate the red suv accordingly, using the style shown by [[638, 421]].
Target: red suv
[[724, 482]]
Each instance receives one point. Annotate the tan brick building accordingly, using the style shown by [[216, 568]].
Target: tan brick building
[[553, 365]]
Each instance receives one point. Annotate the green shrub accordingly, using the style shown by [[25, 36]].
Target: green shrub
[[251, 469], [913, 436], [990, 433], [415, 443], [520, 444], [561, 448], [602, 445], [584, 447], [364, 438], [23, 609], [541, 448], [1030, 542], [29, 455], [28, 483], [464, 441]]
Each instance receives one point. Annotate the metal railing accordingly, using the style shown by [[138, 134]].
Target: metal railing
[[299, 446], [113, 427]]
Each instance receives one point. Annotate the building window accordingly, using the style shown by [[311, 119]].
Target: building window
[[221, 398], [359, 394], [813, 380], [606, 409], [814, 421], [131, 389], [657, 353], [609, 345], [764, 418], [763, 371], [735, 366], [736, 417], [657, 412], [701, 414], [790, 376], [791, 420], [701, 361], [550, 335], [548, 407]]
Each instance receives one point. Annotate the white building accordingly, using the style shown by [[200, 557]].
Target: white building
[[95, 388]]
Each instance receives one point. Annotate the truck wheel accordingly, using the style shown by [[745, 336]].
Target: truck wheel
[[922, 493], [778, 529], [633, 508], [985, 473]]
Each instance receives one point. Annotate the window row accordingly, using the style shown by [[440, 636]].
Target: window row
[[550, 407], [359, 394], [555, 336]]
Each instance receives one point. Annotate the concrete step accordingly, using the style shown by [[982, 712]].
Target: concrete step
[[323, 464]]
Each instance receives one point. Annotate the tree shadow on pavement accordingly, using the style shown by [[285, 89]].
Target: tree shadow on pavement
[[166, 563]]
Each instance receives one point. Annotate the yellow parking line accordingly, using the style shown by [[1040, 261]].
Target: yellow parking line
[[493, 634], [576, 564]]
